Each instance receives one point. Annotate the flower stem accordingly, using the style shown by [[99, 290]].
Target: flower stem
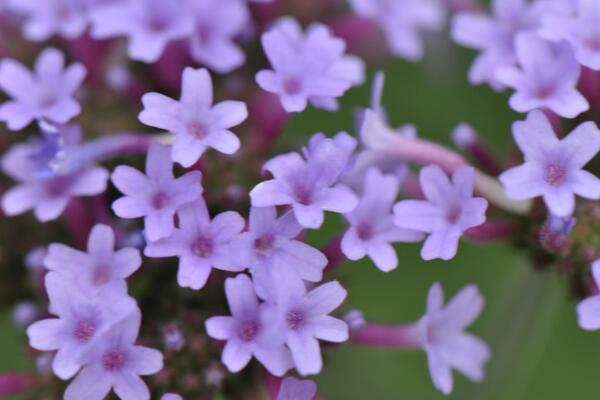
[[379, 335]]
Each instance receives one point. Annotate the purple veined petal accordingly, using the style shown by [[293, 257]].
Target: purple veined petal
[[61, 257], [16, 79], [325, 298], [419, 215], [534, 135], [522, 182], [129, 207], [270, 193], [221, 328], [383, 255], [330, 329], [441, 244], [560, 201], [287, 225], [262, 219], [130, 181], [295, 389], [193, 272], [294, 103], [463, 180], [588, 313], [473, 213], [440, 372], [159, 166], [435, 184], [128, 385], [586, 185], [187, 150], [146, 48], [128, 261], [337, 199], [194, 216], [73, 77], [568, 103], [161, 112], [174, 245], [275, 358], [16, 115], [145, 361], [101, 240], [50, 208], [89, 182], [50, 64], [584, 143], [466, 353], [286, 166], [188, 186], [473, 30], [352, 246], [197, 89], [20, 199], [226, 225], [435, 298], [236, 355], [463, 308], [224, 141], [91, 383], [220, 56], [308, 216], [241, 296], [66, 362], [278, 50], [307, 261], [47, 334], [306, 353], [226, 114]]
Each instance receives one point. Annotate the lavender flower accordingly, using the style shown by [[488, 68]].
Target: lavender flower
[[117, 363], [443, 339], [269, 244], [196, 123], [149, 24], [157, 195], [200, 244], [372, 228], [217, 24], [307, 67], [402, 21], [553, 168], [249, 331], [448, 211], [308, 184], [546, 78], [81, 322], [295, 389], [305, 317], [101, 268], [48, 196], [45, 94], [588, 310]]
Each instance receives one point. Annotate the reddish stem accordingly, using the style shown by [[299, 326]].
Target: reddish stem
[[379, 335], [494, 230], [13, 383]]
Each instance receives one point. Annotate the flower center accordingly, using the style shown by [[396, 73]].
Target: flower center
[[84, 331], [453, 215], [113, 360], [248, 330], [159, 200], [202, 247], [294, 319], [364, 231], [263, 244], [292, 86], [554, 175], [101, 275], [197, 130]]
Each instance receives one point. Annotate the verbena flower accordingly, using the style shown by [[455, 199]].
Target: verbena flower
[[101, 268], [553, 168], [194, 121], [296, 389], [308, 66], [47, 93], [546, 77], [402, 22], [81, 321], [448, 211], [200, 243], [308, 185], [588, 310], [372, 228], [250, 331], [117, 363], [157, 195]]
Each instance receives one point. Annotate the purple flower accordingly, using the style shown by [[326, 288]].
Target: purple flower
[[47, 196], [149, 24], [81, 321], [295, 389], [309, 185], [196, 123], [171, 396], [307, 66], [218, 22], [402, 21], [269, 244], [588, 310], [117, 363], [372, 228], [305, 317], [448, 211], [47, 93], [443, 338], [101, 267], [579, 30], [249, 331], [553, 168], [200, 244], [546, 77], [157, 195]]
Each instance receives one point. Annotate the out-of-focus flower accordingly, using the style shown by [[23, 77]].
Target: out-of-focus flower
[[296, 389], [171, 396], [448, 211], [553, 168], [47, 93], [588, 310], [195, 122]]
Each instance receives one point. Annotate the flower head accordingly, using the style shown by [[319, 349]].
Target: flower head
[[200, 243], [296, 389], [588, 310], [47, 93], [196, 123], [553, 168], [157, 195], [448, 211]]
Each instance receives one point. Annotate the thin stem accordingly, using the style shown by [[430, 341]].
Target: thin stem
[[12, 383], [396, 336], [489, 231]]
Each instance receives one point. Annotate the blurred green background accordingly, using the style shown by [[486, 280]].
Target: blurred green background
[[529, 319]]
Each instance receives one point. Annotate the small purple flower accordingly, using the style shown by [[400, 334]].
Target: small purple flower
[[588, 310], [579, 30], [200, 243], [249, 331], [194, 121], [47, 93], [553, 168], [309, 185], [117, 363], [149, 24], [101, 267], [269, 244], [372, 228], [448, 211], [295, 389], [546, 77], [157, 195], [402, 22], [306, 318], [81, 321], [443, 338], [47, 196], [307, 66], [218, 22]]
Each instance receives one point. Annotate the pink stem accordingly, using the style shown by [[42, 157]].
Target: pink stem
[[13, 383], [485, 159], [379, 335], [272, 384], [411, 186], [494, 230], [333, 252], [554, 121], [77, 221]]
